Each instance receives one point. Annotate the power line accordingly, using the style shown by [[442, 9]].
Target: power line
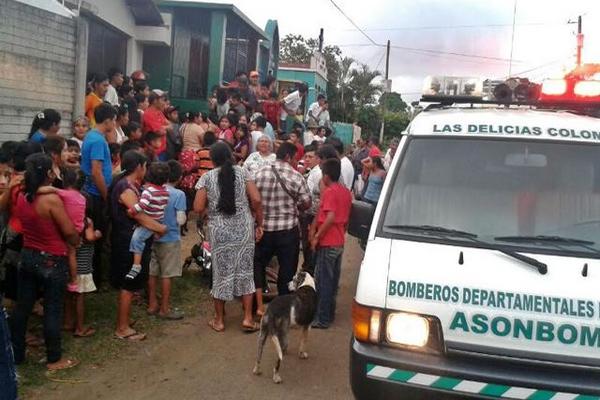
[[380, 60], [416, 28], [353, 23], [431, 51], [512, 39], [452, 53]]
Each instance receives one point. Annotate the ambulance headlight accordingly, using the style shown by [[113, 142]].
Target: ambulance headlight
[[407, 329]]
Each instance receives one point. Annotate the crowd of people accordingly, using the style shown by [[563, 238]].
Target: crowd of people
[[110, 203]]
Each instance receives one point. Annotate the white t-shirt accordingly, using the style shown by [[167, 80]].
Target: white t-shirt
[[324, 118], [293, 101], [313, 181], [121, 137], [315, 110], [111, 96], [255, 136], [347, 176], [308, 137]]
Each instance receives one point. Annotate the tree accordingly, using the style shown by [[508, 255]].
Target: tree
[[393, 102], [349, 90], [395, 123], [365, 91], [368, 118]]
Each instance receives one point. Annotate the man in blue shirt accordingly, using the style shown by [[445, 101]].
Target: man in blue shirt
[[166, 251], [96, 165]]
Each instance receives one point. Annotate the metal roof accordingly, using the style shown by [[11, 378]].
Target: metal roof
[[215, 6], [145, 12]]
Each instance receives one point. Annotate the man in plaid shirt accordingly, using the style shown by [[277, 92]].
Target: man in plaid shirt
[[284, 192]]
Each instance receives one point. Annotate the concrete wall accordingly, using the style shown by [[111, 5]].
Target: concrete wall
[[37, 66]]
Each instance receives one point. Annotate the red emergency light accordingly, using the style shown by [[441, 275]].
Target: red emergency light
[[570, 90]]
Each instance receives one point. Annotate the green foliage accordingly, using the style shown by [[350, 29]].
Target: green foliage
[[369, 119], [395, 123], [352, 91], [294, 49], [393, 102]]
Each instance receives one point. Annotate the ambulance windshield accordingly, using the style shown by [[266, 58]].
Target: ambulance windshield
[[498, 188]]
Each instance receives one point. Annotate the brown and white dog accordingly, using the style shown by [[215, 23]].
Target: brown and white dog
[[295, 309]]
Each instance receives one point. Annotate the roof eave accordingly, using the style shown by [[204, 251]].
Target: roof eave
[[216, 6]]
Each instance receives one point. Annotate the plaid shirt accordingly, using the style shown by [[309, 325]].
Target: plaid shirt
[[281, 210]]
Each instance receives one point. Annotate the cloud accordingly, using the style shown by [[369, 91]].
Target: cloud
[[542, 35]]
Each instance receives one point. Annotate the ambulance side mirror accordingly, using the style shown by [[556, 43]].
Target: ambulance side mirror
[[361, 216]]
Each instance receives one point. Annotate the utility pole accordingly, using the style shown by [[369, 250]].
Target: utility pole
[[386, 89], [579, 41]]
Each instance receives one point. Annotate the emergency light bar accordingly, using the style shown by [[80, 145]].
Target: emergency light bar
[[570, 91], [556, 93], [448, 86]]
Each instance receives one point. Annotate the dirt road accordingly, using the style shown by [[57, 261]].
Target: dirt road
[[190, 361]]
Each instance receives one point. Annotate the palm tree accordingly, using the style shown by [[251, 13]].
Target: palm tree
[[344, 79], [365, 91]]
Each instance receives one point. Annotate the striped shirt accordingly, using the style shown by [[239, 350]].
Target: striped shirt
[[205, 163], [153, 201]]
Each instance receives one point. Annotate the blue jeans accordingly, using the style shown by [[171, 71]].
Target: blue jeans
[[8, 375], [48, 274], [138, 240], [328, 266]]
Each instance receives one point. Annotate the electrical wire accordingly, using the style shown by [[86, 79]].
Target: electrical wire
[[418, 28], [374, 43], [512, 39], [380, 60], [352, 22]]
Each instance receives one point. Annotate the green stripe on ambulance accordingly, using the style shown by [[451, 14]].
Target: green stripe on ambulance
[[468, 387]]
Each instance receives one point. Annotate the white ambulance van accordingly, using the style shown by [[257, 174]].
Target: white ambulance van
[[481, 275]]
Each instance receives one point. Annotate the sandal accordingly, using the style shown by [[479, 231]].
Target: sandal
[[68, 364], [214, 327], [87, 332], [255, 327], [132, 337]]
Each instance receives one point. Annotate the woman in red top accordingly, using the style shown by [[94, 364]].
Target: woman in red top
[[46, 231]]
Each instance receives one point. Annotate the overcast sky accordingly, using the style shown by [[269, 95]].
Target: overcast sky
[[543, 40]]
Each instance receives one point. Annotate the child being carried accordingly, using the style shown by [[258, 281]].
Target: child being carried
[[153, 202]]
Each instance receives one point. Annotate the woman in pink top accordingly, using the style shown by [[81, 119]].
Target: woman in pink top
[[225, 133], [47, 230]]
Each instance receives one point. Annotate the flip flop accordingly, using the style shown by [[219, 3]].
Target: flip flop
[[89, 331], [67, 365], [251, 329], [132, 337], [212, 324]]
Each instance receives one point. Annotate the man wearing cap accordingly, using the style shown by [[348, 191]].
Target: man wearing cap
[[154, 120], [311, 133]]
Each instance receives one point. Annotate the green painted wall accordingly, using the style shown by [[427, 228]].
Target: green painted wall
[[218, 27], [311, 78], [191, 105]]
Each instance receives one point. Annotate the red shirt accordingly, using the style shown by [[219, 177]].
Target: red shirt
[[39, 233], [337, 199], [154, 121], [299, 154], [374, 152], [272, 110]]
